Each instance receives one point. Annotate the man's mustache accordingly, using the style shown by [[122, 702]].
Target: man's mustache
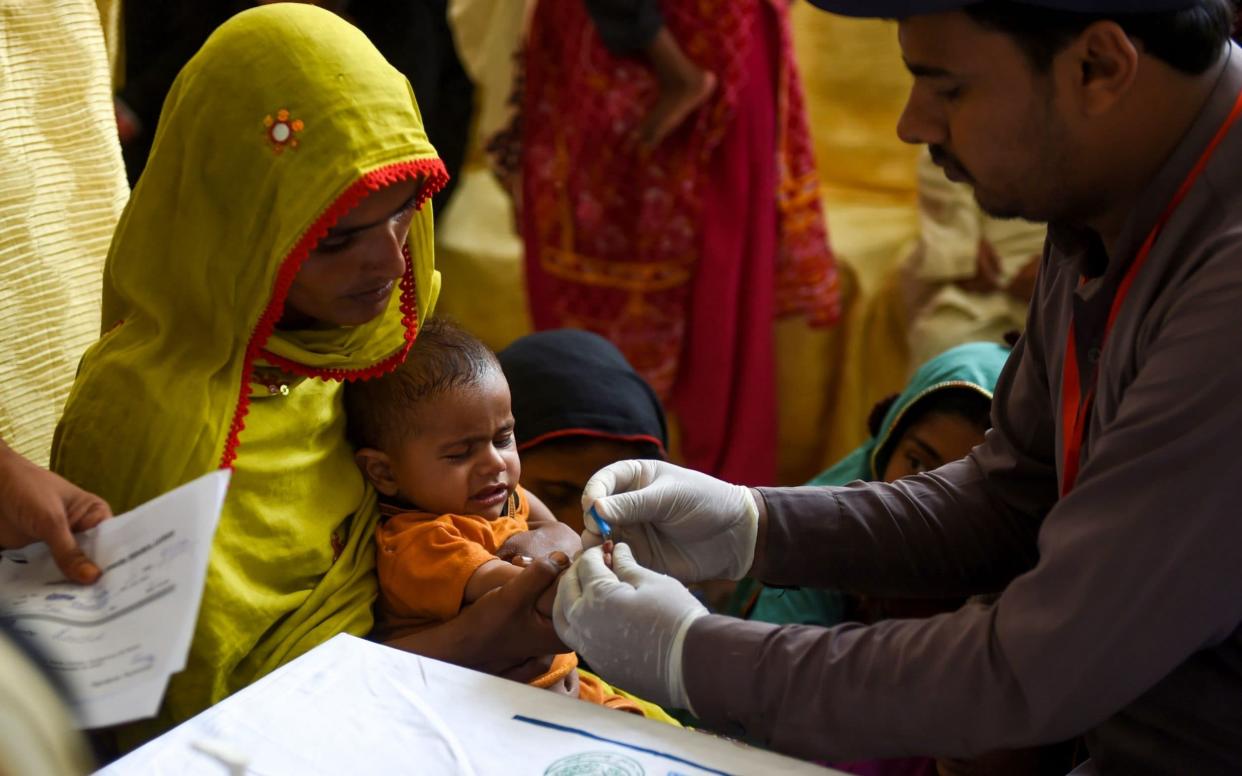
[[942, 157]]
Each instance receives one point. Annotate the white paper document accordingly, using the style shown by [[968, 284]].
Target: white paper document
[[354, 707], [114, 644]]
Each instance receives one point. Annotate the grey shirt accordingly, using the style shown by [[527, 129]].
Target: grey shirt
[[1122, 601]]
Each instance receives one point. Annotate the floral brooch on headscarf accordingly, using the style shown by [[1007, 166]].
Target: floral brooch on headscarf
[[281, 131]]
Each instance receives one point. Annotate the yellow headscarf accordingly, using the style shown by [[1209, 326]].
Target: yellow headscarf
[[285, 119]]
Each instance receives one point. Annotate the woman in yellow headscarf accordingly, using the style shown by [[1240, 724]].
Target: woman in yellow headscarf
[[275, 246]]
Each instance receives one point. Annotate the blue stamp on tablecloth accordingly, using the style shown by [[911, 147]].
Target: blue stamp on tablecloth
[[596, 764]]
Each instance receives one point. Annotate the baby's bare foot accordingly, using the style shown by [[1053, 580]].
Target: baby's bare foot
[[678, 99]]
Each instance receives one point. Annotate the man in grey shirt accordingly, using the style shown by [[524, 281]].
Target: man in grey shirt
[[1104, 503]]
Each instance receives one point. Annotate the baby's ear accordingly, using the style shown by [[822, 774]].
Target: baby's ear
[[377, 468]]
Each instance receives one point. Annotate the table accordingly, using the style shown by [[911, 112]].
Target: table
[[354, 707]]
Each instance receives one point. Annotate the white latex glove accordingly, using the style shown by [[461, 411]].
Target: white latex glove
[[678, 521], [628, 623]]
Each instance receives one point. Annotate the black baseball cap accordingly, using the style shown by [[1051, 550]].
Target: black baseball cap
[[897, 9]]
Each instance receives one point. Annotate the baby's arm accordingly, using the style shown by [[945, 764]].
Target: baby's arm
[[544, 534], [495, 573], [489, 576]]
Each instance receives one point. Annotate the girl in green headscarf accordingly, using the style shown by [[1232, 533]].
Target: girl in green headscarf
[[275, 247], [938, 418]]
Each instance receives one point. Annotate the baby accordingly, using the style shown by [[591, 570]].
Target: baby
[[435, 438], [632, 28]]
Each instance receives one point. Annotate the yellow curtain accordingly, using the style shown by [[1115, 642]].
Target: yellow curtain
[[111, 19], [829, 379], [478, 250], [62, 188]]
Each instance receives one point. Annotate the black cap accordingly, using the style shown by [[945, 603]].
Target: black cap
[[570, 383], [897, 9]]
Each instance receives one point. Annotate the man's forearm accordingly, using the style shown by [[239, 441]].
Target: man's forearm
[[938, 534]]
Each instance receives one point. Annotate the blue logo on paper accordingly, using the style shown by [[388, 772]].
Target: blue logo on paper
[[596, 764]]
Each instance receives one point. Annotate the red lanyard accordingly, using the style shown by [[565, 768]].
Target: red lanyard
[[1076, 408]]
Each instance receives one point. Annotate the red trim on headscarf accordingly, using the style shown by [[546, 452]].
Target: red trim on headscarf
[[590, 432], [435, 178], [409, 317]]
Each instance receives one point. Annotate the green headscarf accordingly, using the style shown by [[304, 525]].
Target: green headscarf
[[975, 366], [283, 121]]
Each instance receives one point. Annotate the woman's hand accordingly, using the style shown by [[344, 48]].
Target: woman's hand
[[39, 506], [540, 542], [501, 629], [546, 536]]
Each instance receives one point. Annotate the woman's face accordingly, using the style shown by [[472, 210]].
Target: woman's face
[[933, 441], [557, 471], [351, 274]]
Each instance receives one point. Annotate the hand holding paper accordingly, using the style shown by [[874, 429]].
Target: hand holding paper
[[115, 644], [37, 505]]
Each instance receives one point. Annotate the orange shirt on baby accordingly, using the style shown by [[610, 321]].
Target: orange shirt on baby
[[424, 561]]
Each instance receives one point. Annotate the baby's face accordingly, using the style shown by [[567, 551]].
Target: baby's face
[[462, 458]]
